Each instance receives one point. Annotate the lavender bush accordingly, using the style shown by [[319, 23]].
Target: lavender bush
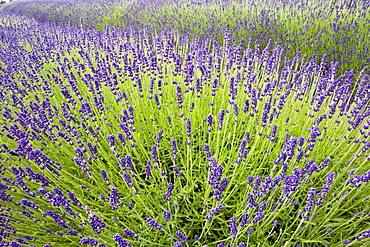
[[125, 137], [81, 13], [338, 28]]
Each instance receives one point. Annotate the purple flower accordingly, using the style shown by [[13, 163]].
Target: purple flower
[[148, 172], [130, 233], [96, 223], [207, 150], [181, 236], [173, 146], [362, 235], [19, 240], [188, 127], [177, 244], [128, 162], [243, 151], [56, 217], [257, 183], [154, 153], [251, 202], [176, 170], [209, 122], [153, 223], [309, 202], [90, 241], [275, 223], [104, 175], [156, 99], [113, 198], [111, 140], [167, 215], [213, 212], [233, 229], [30, 238], [73, 233], [244, 220], [346, 241], [221, 116], [121, 241], [28, 203], [236, 109], [250, 231], [179, 96], [258, 217], [325, 188], [128, 180], [121, 138], [159, 137], [262, 206], [169, 191], [214, 178], [93, 148]]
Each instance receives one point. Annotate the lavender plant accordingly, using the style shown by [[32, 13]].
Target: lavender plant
[[337, 28], [124, 138], [81, 13]]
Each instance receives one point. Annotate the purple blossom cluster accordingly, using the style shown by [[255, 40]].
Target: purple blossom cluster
[[181, 236], [121, 242], [213, 212], [153, 223]]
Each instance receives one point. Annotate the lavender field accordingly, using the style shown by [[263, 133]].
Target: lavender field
[[185, 123]]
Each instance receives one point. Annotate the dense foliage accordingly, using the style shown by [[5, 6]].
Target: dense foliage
[[158, 135], [338, 28]]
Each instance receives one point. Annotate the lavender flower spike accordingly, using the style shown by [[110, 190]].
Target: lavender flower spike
[[181, 236], [89, 241], [213, 212], [167, 215], [178, 244], [233, 229], [121, 241], [169, 191], [153, 223]]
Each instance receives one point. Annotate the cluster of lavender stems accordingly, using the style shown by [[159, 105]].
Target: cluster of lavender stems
[[309, 26], [120, 137]]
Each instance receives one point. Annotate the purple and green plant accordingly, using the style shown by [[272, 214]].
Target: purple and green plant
[[125, 137], [338, 28]]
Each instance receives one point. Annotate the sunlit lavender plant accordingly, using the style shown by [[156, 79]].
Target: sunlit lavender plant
[[87, 151], [338, 28]]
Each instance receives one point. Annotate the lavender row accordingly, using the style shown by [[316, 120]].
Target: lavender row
[[338, 28]]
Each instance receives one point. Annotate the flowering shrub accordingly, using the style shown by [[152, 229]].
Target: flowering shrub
[[80, 13], [338, 28], [135, 138]]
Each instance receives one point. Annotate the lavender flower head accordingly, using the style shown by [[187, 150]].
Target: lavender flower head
[[153, 223], [233, 228], [169, 191], [213, 212], [167, 215], [181, 236], [121, 241], [89, 241]]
